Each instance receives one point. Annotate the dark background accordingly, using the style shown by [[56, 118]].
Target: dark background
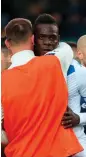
[[70, 14]]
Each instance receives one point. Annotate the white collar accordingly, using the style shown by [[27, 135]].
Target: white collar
[[21, 58], [76, 63]]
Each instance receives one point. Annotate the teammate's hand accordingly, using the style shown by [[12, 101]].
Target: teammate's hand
[[70, 119]]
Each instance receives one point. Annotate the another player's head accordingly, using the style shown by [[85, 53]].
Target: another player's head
[[46, 34], [5, 56], [81, 48], [19, 35]]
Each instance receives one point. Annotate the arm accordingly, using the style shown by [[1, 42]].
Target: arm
[[71, 119], [65, 55]]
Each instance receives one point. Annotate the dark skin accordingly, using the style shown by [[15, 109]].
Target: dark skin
[[47, 39], [70, 119]]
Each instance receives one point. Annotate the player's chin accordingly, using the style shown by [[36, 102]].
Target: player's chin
[[46, 51], [43, 52]]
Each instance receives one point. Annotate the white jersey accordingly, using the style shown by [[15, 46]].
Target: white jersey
[[65, 55], [76, 80]]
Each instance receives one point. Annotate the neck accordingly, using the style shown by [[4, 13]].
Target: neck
[[83, 64], [19, 48]]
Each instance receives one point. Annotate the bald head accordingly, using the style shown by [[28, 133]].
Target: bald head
[[81, 44], [81, 47]]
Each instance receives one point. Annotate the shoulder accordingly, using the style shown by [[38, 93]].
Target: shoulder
[[4, 73], [8, 74], [77, 68], [81, 75], [48, 60], [80, 71], [62, 48], [71, 70]]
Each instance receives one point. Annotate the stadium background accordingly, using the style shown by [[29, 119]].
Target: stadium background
[[70, 14]]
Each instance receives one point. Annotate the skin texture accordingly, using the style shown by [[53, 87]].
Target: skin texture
[[70, 119], [47, 39], [81, 47]]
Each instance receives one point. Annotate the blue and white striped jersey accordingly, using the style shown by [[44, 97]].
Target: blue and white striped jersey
[[76, 80]]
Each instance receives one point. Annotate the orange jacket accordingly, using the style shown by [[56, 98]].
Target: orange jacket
[[34, 98]]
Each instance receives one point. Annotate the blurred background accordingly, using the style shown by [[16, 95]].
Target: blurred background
[[70, 14]]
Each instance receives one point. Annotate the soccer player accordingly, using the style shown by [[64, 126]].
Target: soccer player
[[81, 48], [81, 53], [47, 39]]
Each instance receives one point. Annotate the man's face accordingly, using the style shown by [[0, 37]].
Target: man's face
[[46, 38], [84, 57], [74, 51]]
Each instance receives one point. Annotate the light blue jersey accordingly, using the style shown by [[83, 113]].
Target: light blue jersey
[[76, 80]]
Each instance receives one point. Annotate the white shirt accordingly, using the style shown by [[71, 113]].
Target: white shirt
[[21, 58], [65, 54], [76, 80]]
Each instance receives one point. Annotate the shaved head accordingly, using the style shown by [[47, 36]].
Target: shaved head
[[81, 44], [81, 48]]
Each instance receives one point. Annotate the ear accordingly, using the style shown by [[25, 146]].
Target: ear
[[32, 38], [9, 58], [80, 55], [7, 44]]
